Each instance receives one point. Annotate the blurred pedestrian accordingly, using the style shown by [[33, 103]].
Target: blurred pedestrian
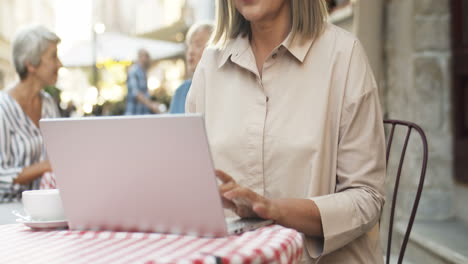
[[138, 98], [196, 40], [23, 158]]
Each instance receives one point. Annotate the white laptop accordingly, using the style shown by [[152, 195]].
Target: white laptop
[[138, 173]]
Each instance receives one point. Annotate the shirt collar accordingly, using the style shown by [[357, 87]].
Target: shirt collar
[[235, 47], [296, 47], [239, 45]]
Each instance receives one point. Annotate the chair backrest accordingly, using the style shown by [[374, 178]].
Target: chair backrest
[[410, 126]]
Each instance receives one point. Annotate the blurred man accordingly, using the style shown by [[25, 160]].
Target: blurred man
[[196, 40], [138, 98]]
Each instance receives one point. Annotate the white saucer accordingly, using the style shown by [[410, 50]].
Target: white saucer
[[56, 224]]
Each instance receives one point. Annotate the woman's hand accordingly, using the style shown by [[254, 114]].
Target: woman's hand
[[45, 165], [245, 202], [33, 172], [300, 214]]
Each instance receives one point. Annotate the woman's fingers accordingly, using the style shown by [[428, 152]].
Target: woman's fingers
[[250, 204], [243, 201], [224, 177], [227, 204], [262, 210], [243, 195], [225, 187]]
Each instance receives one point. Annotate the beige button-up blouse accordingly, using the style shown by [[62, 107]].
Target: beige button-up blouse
[[309, 127]]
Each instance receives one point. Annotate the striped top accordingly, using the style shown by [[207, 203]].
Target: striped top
[[21, 143]]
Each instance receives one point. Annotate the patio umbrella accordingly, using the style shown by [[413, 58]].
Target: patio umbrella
[[118, 47]]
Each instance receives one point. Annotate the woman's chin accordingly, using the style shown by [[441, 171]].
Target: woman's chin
[[51, 83], [251, 14], [253, 18]]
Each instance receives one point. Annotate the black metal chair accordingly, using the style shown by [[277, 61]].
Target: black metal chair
[[410, 126]]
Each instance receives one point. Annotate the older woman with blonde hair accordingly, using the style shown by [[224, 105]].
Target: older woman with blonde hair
[[294, 123], [22, 154]]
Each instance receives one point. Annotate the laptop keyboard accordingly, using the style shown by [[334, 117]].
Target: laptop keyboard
[[238, 225]]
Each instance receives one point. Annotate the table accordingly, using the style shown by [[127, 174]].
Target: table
[[272, 244], [6, 217], [48, 181]]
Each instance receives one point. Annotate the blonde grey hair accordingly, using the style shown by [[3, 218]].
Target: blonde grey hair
[[198, 27], [308, 20], [29, 44]]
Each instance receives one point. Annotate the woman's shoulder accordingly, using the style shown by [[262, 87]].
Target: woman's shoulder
[[5, 99], [340, 33], [6, 105], [3, 95], [338, 38], [351, 55], [341, 45], [211, 56], [134, 69], [213, 52], [217, 55]]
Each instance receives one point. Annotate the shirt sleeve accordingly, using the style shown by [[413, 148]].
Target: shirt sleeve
[[176, 101], [355, 207], [195, 97], [7, 172]]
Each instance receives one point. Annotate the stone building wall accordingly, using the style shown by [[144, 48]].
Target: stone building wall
[[417, 60]]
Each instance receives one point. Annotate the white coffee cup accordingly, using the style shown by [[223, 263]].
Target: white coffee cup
[[43, 205]]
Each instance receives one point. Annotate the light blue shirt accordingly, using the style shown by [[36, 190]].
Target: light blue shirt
[[178, 100], [136, 82]]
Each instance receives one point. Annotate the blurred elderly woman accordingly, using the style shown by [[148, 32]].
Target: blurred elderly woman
[[196, 40], [22, 154]]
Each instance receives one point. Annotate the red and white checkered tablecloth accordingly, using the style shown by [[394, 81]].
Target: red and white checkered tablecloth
[[272, 244], [48, 181]]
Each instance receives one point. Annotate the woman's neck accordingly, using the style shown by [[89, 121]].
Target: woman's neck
[[26, 91], [268, 34]]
